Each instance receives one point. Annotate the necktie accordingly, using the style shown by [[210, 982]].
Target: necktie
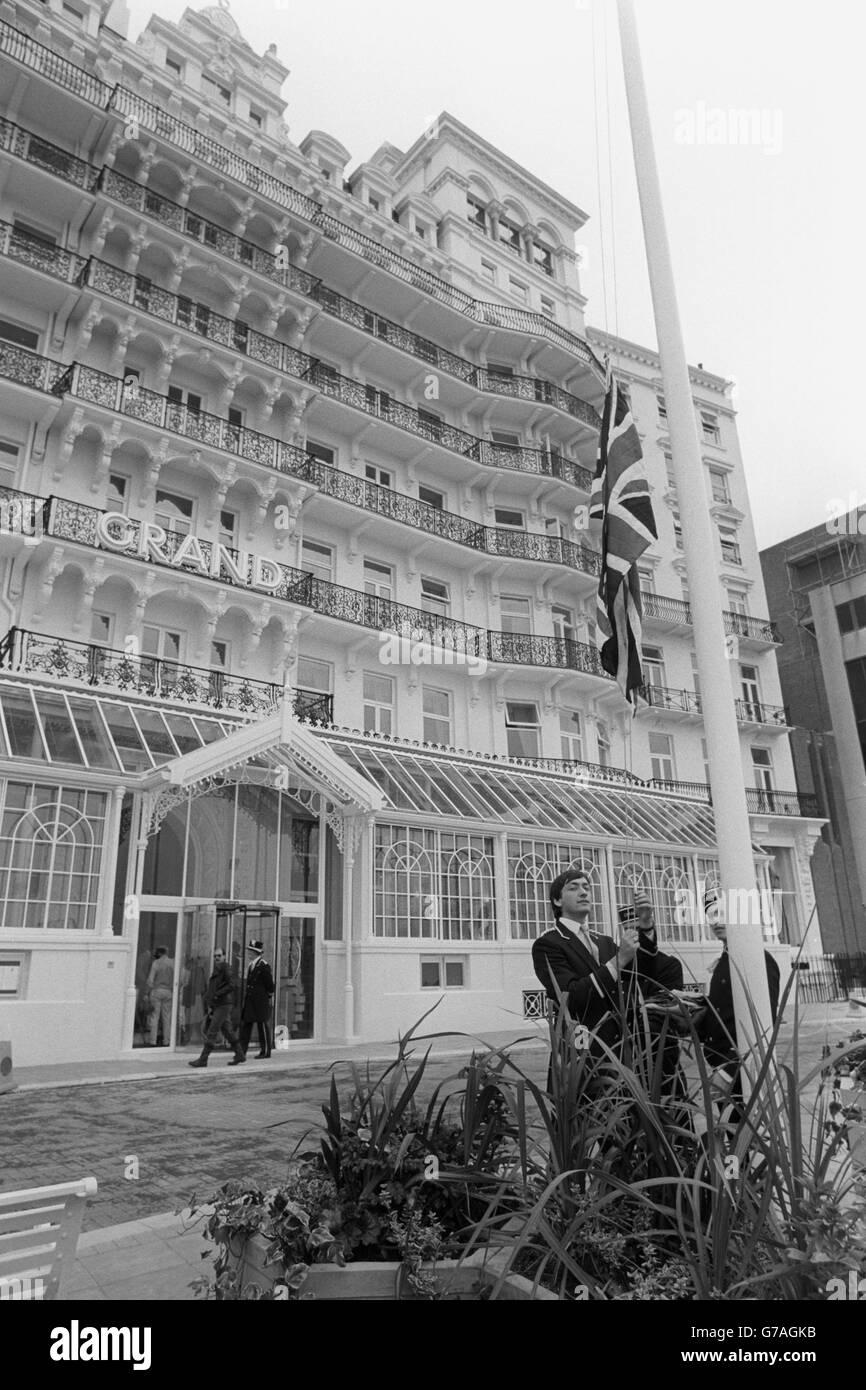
[[587, 942]]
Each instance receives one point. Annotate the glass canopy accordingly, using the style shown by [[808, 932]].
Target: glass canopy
[[441, 785]]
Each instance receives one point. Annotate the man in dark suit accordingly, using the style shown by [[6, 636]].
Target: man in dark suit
[[258, 1001], [219, 1001], [715, 1025], [588, 969], [666, 975]]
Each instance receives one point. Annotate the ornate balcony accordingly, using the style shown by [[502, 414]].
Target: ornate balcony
[[41, 255], [699, 791], [660, 608], [753, 629], [526, 649], [28, 368], [677, 701], [25, 50], [756, 712], [224, 161], [758, 800], [530, 545], [85, 663]]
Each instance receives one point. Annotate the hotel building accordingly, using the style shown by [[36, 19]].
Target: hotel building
[[295, 570]]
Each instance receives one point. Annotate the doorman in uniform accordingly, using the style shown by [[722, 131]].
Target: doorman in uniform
[[258, 1001]]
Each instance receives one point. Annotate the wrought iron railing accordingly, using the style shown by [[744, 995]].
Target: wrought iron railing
[[156, 119], [670, 610], [597, 772], [531, 545], [37, 254], [28, 368], [86, 663], [756, 712], [24, 49], [664, 697], [675, 610], [763, 801], [526, 649], [698, 791], [739, 625]]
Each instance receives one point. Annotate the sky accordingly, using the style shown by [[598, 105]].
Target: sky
[[765, 216]]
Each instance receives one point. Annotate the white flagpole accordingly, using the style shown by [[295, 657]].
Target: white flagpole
[[740, 900]]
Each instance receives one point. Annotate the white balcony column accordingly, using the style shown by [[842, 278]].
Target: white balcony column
[[247, 209], [234, 305], [106, 224], [187, 180], [494, 212], [93, 580], [93, 316], [149, 479], [529, 235], [253, 638], [132, 906], [70, 434], [215, 613], [181, 261], [45, 590], [136, 246], [112, 847], [226, 393], [170, 350], [118, 352]]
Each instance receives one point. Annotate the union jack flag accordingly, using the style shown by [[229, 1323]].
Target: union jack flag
[[620, 500]]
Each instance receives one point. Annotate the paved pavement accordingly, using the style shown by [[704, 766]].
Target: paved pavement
[[152, 1131]]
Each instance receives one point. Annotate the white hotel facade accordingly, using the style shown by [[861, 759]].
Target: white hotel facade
[[296, 592]]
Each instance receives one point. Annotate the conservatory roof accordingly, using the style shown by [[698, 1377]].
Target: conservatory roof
[[428, 783]]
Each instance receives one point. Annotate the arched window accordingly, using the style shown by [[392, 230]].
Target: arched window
[[532, 867], [434, 884], [50, 856]]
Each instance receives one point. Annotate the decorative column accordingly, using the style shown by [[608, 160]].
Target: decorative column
[[111, 851], [132, 906]]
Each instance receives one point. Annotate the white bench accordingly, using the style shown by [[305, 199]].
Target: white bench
[[39, 1230]]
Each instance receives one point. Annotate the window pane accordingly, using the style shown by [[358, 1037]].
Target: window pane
[[25, 740], [430, 974]]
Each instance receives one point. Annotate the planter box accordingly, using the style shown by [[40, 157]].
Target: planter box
[[382, 1283]]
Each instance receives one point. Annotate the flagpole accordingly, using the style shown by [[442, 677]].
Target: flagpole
[[736, 863]]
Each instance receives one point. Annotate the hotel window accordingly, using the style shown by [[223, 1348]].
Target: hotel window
[[762, 769], [696, 679], [431, 424], [378, 580], [236, 421], [662, 409], [738, 602], [519, 290], [215, 90], [509, 235], [511, 520], [228, 529], [52, 844], [654, 667], [571, 735], [257, 118], [647, 580], [563, 623], [17, 333], [721, 492], [522, 730], [710, 428], [220, 655], [436, 706], [706, 759], [162, 644], [476, 213], [314, 677], [852, 614], [510, 441], [174, 513], [501, 371], [661, 747], [730, 545], [432, 497], [488, 271], [178, 396], [190, 314], [318, 560], [174, 64], [323, 452], [9, 456], [118, 488], [442, 972], [374, 203], [751, 691], [378, 703], [669, 473], [678, 531], [374, 474], [602, 734], [421, 231], [142, 290], [101, 629], [71, 10], [548, 308], [434, 597], [516, 614], [378, 401], [543, 258]]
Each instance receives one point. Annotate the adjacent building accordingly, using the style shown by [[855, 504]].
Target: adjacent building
[[297, 582], [816, 588]]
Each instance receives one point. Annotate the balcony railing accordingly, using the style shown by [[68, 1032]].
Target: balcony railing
[[28, 368], [45, 61], [758, 800], [41, 255], [526, 649], [663, 697], [739, 625], [756, 712], [699, 791], [674, 610], [35, 150], [155, 118], [86, 663], [232, 333], [599, 772], [669, 610], [530, 545]]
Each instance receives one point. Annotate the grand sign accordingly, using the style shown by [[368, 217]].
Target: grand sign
[[148, 541]]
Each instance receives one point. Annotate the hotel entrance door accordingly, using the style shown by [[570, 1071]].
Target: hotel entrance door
[[289, 944]]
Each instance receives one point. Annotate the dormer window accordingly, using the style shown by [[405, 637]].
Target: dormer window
[[257, 118], [543, 258], [174, 64], [374, 203], [215, 90], [509, 235], [477, 213], [326, 174]]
